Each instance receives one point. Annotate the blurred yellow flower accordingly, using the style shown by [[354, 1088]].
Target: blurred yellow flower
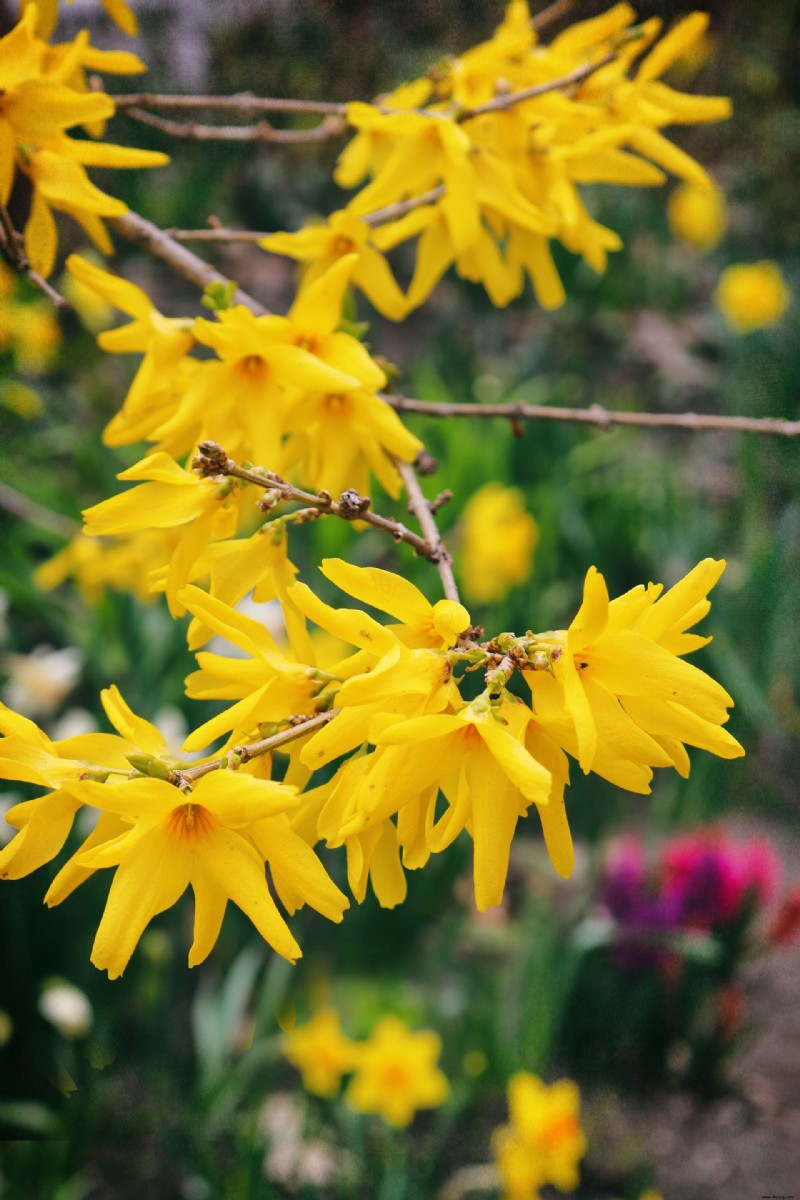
[[321, 1053], [499, 540], [752, 296], [22, 400], [543, 1142], [697, 216], [47, 15], [396, 1073]]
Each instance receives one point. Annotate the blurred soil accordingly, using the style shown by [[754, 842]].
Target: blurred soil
[[745, 1145]]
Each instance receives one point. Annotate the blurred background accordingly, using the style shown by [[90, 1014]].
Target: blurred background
[[678, 1020]]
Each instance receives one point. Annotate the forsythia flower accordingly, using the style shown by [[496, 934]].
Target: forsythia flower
[[343, 234], [621, 698], [170, 497], [47, 15], [321, 1053], [499, 538], [486, 184], [697, 215], [544, 1141], [396, 1073], [752, 296], [40, 103]]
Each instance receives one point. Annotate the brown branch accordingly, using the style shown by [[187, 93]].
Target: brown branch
[[241, 754], [400, 207], [427, 522], [509, 99], [603, 418], [212, 461], [215, 235], [158, 243], [13, 245], [243, 102], [29, 510], [262, 132], [552, 13]]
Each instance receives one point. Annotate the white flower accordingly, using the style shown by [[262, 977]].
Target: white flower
[[67, 1008], [39, 681]]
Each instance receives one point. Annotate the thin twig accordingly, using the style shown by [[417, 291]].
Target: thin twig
[[13, 245], [603, 418], [262, 132], [509, 99], [241, 754], [420, 507], [212, 461], [550, 14], [29, 510], [390, 213], [242, 102], [158, 243], [216, 235], [399, 209]]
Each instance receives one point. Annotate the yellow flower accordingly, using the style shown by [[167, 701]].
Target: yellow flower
[[510, 178], [621, 698], [27, 754], [170, 497], [487, 774], [47, 15], [173, 840], [125, 564], [752, 296], [697, 215], [321, 1052], [499, 540], [320, 246], [396, 1073], [39, 105], [544, 1141]]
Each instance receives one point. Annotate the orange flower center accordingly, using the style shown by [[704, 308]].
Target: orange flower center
[[395, 1075], [343, 245], [561, 1129], [190, 821], [252, 367]]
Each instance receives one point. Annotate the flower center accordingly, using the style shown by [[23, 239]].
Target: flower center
[[252, 368], [191, 821], [343, 245]]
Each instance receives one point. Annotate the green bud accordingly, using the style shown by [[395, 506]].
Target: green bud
[[147, 764], [218, 295]]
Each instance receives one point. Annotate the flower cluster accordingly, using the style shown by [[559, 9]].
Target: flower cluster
[[613, 691], [43, 93], [543, 1142], [702, 882], [394, 1072], [482, 160], [294, 393]]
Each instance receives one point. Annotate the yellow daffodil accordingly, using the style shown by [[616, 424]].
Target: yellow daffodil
[[752, 296], [396, 1073], [39, 105], [543, 1143], [321, 1053]]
